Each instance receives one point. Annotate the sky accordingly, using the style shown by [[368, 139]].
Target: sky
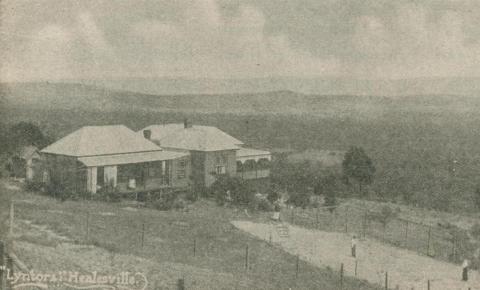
[[368, 39]]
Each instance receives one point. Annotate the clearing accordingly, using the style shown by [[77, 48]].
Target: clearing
[[328, 249]]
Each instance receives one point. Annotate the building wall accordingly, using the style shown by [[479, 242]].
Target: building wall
[[197, 167], [213, 159], [181, 172]]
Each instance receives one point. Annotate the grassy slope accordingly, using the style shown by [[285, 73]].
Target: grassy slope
[[169, 239]]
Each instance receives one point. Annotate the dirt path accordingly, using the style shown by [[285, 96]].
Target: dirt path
[[405, 268]]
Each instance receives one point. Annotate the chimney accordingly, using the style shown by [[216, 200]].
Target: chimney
[[187, 124], [147, 134]]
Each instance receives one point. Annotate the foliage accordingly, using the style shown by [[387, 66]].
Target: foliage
[[273, 195], [192, 195], [232, 189], [24, 134], [165, 200], [358, 166], [34, 186], [300, 199], [179, 204], [293, 176], [385, 215], [327, 186], [475, 231], [477, 198]]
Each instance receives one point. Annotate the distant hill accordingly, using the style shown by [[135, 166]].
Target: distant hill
[[93, 97], [315, 86]]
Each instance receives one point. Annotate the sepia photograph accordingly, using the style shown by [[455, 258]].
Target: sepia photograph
[[239, 144]]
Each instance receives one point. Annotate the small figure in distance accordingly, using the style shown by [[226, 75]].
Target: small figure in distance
[[354, 246], [465, 265]]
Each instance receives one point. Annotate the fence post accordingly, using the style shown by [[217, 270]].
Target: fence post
[[88, 229], [356, 265], [406, 233], [341, 276], [10, 268], [194, 247], [296, 268], [386, 280], [2, 264], [428, 241], [246, 257], [316, 216], [346, 221], [143, 233], [12, 216], [365, 225], [293, 215], [428, 284], [453, 248]]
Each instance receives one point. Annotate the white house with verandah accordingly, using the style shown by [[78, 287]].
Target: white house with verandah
[[101, 158]]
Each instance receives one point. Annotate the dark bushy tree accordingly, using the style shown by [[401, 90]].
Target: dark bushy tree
[[25, 134], [358, 166], [328, 187], [233, 188]]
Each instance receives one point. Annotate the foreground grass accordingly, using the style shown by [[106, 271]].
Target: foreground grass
[[170, 237]]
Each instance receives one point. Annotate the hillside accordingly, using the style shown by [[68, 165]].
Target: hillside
[[315, 86], [89, 97]]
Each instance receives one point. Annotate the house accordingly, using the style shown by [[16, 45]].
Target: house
[[27, 163], [212, 151], [101, 158]]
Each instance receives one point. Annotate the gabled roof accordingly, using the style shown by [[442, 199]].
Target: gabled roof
[[28, 152], [101, 140], [198, 138]]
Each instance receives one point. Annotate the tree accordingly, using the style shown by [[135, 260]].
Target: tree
[[358, 166], [25, 134], [328, 187]]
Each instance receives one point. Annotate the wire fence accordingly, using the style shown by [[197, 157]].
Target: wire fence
[[141, 235], [436, 242]]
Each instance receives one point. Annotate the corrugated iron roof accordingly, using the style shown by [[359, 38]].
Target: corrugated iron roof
[[100, 140], [246, 152], [199, 138], [129, 158]]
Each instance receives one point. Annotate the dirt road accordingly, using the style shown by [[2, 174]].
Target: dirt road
[[326, 249]]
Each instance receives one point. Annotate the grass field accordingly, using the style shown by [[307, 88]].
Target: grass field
[[54, 234], [426, 233]]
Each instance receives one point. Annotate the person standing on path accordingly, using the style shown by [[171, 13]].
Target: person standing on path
[[465, 270], [354, 246]]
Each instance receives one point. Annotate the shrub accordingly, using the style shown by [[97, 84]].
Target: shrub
[[273, 196], [475, 231], [165, 201], [192, 195], [232, 189], [301, 199], [34, 186], [264, 205], [179, 204]]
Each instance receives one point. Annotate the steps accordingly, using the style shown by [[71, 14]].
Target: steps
[[282, 230]]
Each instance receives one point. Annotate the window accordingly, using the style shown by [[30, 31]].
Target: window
[[181, 169], [220, 169]]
